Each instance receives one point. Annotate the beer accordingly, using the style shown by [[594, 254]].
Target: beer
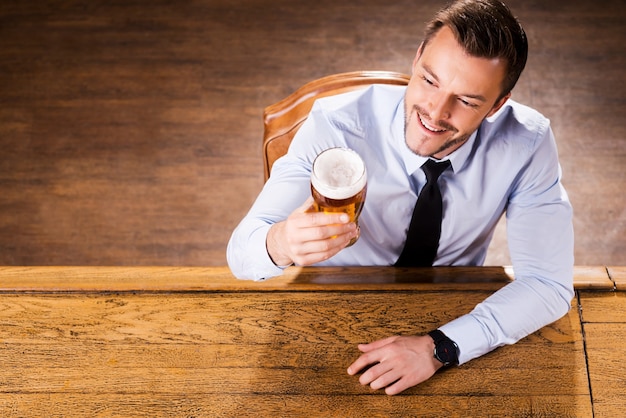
[[339, 183]]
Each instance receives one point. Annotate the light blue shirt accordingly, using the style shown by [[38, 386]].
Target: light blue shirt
[[509, 165]]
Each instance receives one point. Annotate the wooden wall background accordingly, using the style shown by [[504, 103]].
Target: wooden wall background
[[130, 130]]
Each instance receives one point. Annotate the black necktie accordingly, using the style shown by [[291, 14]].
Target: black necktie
[[422, 239]]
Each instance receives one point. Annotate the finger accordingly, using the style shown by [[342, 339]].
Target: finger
[[410, 375], [325, 239], [375, 345], [308, 213], [400, 385], [361, 363], [325, 218], [371, 355], [322, 239], [307, 206], [334, 233], [374, 376], [388, 379], [319, 225], [312, 252]]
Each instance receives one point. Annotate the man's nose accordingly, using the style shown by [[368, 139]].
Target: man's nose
[[439, 107]]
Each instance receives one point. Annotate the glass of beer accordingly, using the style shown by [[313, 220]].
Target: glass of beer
[[339, 183]]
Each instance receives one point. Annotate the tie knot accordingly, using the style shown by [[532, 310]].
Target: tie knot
[[433, 169]]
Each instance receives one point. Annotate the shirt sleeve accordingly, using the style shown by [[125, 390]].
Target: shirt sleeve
[[541, 244], [286, 189]]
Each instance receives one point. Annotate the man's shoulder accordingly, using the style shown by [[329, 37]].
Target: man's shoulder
[[516, 123], [360, 111], [515, 113], [373, 95]]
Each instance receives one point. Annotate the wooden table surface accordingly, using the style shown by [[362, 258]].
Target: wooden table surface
[[195, 342]]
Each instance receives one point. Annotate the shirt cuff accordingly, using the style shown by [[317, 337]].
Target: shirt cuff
[[261, 261], [468, 335]]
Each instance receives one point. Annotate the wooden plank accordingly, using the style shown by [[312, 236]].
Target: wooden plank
[[618, 275], [29, 346], [606, 345], [114, 279], [592, 277], [257, 318], [226, 344], [191, 279], [124, 355], [604, 307], [288, 405], [555, 381], [199, 279]]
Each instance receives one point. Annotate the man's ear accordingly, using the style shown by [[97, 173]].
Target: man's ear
[[417, 56], [499, 104]]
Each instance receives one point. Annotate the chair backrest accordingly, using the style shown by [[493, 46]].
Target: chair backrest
[[282, 120]]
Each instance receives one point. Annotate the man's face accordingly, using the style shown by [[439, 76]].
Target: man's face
[[449, 95]]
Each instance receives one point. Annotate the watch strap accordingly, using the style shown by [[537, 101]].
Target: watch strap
[[437, 336], [446, 350]]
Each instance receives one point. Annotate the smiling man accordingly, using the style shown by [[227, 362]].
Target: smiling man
[[449, 95], [496, 157]]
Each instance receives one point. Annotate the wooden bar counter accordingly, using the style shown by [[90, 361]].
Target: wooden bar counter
[[196, 342]]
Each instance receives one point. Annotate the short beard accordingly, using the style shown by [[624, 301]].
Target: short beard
[[446, 145]]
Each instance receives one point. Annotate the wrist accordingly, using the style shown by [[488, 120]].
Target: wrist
[[273, 247], [445, 351]]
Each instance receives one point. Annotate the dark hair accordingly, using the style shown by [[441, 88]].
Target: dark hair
[[485, 29]]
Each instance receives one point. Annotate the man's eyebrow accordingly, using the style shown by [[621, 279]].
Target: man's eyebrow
[[431, 73], [478, 97]]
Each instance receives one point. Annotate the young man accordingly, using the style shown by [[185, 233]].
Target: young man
[[502, 158]]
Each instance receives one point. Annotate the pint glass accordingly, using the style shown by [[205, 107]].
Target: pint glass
[[339, 183]]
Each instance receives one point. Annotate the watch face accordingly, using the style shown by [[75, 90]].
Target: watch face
[[445, 351]]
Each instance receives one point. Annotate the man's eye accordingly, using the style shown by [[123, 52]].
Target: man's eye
[[428, 81], [468, 104]]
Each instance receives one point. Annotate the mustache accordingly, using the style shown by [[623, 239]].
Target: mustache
[[441, 123]]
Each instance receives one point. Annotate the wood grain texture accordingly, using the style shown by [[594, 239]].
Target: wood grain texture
[[606, 344], [264, 354], [269, 405], [592, 278], [604, 325], [189, 279], [604, 307]]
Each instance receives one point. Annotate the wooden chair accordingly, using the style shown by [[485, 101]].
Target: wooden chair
[[282, 120]]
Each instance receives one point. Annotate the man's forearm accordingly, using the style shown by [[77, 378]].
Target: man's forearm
[[515, 311]]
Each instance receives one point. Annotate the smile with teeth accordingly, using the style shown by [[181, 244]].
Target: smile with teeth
[[428, 126]]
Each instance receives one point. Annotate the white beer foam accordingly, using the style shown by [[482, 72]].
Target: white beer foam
[[338, 173]]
